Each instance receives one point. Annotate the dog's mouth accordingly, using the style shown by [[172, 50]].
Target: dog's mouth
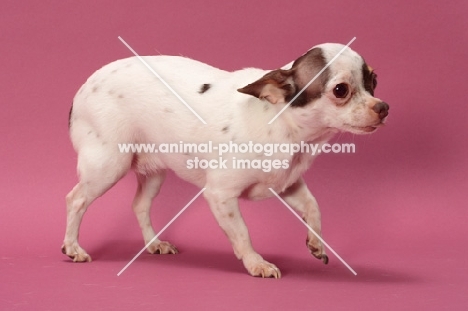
[[362, 129]]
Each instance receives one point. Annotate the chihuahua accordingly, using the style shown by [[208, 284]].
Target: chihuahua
[[124, 102]]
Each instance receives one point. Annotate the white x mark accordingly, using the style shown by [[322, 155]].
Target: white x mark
[[162, 80]]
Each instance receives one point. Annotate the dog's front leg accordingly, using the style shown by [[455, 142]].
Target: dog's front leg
[[227, 213], [299, 197]]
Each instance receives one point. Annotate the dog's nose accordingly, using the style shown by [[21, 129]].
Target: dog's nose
[[381, 109]]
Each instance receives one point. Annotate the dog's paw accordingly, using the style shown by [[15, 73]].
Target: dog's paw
[[317, 250], [162, 247], [76, 253], [265, 270], [259, 267]]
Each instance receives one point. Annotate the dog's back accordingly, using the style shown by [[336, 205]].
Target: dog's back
[[122, 100]]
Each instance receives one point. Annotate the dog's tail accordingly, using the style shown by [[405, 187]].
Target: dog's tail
[[70, 115]]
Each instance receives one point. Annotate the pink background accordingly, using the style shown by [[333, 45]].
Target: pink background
[[395, 210]]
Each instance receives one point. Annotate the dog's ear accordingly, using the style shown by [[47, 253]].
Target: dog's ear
[[276, 86], [282, 85]]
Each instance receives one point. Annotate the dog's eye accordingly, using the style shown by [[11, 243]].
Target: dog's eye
[[341, 90], [374, 82]]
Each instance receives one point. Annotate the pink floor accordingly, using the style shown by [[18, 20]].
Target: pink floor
[[396, 210]]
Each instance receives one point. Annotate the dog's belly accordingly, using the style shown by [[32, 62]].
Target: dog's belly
[[252, 184], [258, 191]]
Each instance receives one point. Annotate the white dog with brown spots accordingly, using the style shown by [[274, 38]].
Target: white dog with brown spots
[[124, 102]]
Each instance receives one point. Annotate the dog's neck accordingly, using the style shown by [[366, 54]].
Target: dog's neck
[[305, 126]]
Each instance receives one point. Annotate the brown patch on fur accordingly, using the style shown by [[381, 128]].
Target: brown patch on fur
[[305, 69], [369, 78]]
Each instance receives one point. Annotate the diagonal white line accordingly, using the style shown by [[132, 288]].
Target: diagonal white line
[[312, 230], [160, 232], [313, 79], [162, 80]]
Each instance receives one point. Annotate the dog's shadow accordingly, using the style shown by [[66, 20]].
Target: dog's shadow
[[190, 257], [335, 271], [211, 259]]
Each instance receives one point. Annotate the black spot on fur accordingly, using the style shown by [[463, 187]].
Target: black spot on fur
[[225, 129], [205, 87]]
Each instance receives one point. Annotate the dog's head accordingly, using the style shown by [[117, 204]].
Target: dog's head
[[340, 98]]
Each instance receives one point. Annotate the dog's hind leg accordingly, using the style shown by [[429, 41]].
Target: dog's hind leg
[[148, 188], [99, 168]]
